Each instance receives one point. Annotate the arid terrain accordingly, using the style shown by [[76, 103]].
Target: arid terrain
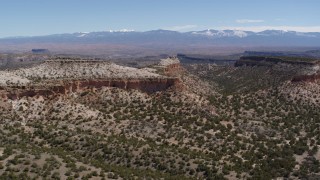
[[77, 118]]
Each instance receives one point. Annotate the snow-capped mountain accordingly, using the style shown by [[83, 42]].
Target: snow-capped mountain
[[166, 37], [222, 33], [122, 30]]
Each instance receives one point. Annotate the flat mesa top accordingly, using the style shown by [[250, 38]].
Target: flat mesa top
[[55, 70]]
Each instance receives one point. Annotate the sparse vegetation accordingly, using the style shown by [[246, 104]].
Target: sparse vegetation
[[227, 122]]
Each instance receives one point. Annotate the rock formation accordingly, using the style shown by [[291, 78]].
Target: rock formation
[[64, 77], [171, 66]]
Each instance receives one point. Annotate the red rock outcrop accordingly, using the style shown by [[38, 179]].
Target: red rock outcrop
[[144, 85], [173, 69]]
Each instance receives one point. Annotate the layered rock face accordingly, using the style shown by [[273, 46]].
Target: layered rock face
[[63, 77], [144, 85]]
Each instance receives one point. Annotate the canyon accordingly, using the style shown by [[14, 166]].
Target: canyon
[[164, 120]]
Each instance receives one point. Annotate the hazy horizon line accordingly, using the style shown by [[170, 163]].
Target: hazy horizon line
[[256, 29]]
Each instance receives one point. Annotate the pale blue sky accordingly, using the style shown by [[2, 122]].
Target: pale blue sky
[[41, 17]]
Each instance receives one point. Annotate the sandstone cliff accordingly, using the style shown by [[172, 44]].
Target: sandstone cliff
[[64, 77]]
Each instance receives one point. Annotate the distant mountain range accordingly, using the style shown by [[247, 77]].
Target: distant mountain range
[[166, 37]]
